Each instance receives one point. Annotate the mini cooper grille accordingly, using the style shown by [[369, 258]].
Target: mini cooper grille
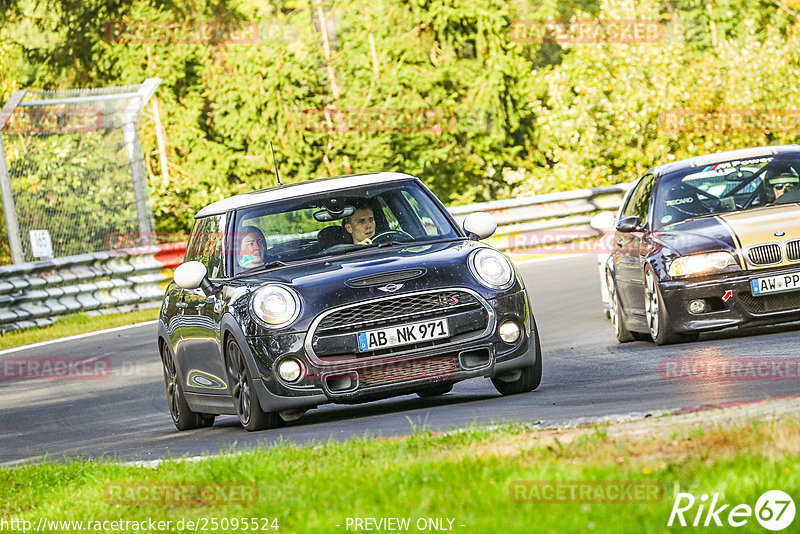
[[397, 307], [437, 367], [764, 254], [771, 303], [793, 250]]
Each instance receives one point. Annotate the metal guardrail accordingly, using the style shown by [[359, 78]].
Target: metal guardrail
[[34, 294], [37, 293], [525, 223]]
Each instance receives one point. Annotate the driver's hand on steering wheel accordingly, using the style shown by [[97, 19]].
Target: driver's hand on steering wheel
[[365, 241]]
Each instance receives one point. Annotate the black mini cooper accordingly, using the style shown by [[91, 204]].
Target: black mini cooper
[[345, 290]]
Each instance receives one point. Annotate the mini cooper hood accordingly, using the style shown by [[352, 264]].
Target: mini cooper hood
[[418, 267]]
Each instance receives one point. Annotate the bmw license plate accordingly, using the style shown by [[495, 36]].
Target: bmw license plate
[[402, 335], [774, 284]]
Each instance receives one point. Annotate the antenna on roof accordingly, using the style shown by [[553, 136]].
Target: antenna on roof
[[277, 177]]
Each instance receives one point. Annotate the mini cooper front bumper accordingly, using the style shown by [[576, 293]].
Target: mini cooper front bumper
[[333, 370]]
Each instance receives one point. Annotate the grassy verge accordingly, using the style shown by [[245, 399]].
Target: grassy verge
[[70, 325], [463, 476]]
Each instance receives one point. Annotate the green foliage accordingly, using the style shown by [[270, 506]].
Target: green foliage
[[436, 88]]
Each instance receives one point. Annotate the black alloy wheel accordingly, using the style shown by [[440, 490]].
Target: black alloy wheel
[[243, 393], [183, 417]]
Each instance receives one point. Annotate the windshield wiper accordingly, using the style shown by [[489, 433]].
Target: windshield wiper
[[262, 268]]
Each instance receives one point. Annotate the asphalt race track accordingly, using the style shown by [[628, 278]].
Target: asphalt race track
[[587, 377]]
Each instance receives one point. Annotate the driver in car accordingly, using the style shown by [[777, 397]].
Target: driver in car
[[361, 225], [785, 184]]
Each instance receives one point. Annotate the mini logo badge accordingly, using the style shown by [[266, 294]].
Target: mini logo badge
[[448, 300], [780, 234], [391, 288]]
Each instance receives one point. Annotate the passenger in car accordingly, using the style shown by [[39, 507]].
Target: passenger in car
[[252, 248]]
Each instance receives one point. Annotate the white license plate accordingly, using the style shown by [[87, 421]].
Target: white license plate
[[402, 335], [774, 284]]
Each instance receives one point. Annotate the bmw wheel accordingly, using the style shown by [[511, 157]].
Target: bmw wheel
[[658, 321], [621, 331], [243, 393]]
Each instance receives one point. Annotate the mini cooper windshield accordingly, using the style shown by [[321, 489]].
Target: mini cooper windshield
[[336, 223], [727, 187]]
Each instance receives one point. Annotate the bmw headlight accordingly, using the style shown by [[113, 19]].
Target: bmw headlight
[[700, 264], [492, 269], [275, 306]]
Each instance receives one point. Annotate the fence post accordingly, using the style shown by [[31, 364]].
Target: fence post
[[14, 240], [138, 174]]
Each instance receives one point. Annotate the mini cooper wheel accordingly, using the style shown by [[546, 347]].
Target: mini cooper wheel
[[435, 391], [183, 417], [658, 321], [243, 393], [521, 380]]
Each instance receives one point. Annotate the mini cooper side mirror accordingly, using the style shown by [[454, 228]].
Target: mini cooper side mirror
[[629, 224], [193, 274], [479, 225]]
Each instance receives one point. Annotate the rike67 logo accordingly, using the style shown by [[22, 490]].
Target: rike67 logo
[[774, 510]]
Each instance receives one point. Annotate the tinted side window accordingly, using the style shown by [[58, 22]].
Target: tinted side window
[[630, 200], [205, 244], [639, 201]]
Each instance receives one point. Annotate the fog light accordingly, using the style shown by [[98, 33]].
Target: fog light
[[290, 370], [509, 331], [697, 306]]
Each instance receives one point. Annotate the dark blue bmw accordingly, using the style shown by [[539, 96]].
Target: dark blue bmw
[[344, 290]]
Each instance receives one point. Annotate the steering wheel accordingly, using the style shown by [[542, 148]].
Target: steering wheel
[[385, 237]]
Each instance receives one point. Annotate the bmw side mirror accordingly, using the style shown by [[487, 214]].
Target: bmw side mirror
[[629, 224], [193, 274], [479, 225]]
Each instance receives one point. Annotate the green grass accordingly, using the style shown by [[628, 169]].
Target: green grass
[[464, 476], [70, 325]]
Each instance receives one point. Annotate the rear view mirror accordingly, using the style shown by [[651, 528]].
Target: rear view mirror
[[327, 215], [480, 225]]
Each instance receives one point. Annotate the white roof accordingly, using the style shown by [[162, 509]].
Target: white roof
[[300, 189]]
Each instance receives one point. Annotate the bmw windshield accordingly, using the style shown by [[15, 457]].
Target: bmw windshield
[[337, 222], [727, 187]]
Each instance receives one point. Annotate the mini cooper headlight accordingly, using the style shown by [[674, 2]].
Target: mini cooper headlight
[[275, 306], [698, 264], [492, 269]]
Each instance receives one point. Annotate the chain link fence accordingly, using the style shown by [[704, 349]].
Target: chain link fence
[[72, 170]]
